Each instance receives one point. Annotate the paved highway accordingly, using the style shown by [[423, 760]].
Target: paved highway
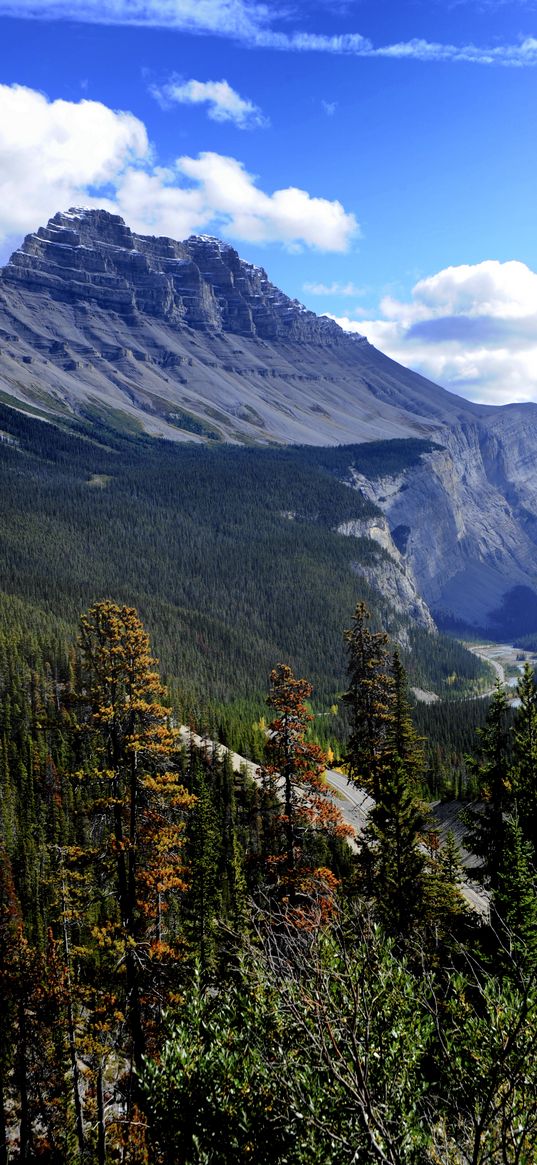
[[354, 805]]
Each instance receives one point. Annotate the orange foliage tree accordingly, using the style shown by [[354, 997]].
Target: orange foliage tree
[[295, 774]]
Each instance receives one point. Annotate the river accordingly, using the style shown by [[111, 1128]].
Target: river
[[505, 658]]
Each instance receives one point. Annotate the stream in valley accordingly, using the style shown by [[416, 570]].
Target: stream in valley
[[508, 662]]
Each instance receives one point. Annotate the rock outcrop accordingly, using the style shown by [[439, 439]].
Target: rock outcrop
[[461, 518], [391, 572], [93, 257]]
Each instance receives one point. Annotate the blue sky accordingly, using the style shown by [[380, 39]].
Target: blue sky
[[378, 159]]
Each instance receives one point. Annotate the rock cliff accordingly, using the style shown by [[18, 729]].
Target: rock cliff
[[392, 573]]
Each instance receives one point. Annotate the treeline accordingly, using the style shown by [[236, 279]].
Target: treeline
[[197, 968]]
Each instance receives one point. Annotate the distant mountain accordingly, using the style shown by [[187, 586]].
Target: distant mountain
[[185, 340]]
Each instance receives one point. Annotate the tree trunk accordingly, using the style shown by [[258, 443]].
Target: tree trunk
[[101, 1127], [75, 1075], [22, 1081]]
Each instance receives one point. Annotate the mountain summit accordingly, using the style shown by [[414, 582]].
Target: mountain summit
[[186, 340]]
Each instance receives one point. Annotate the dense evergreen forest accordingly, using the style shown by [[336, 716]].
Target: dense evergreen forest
[[196, 966], [203, 968], [230, 554]]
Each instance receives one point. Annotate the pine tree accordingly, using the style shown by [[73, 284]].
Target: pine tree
[[136, 801], [297, 766], [491, 772], [369, 698]]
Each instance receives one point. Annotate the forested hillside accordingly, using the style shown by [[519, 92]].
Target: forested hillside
[[196, 968], [229, 553]]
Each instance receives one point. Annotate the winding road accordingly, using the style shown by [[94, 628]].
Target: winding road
[[355, 805]]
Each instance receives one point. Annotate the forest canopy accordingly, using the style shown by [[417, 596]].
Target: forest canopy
[[196, 965]]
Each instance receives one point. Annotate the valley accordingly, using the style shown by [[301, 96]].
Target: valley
[[507, 660], [303, 532], [268, 582]]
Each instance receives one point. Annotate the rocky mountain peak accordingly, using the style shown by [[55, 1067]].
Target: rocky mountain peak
[[185, 340], [202, 283]]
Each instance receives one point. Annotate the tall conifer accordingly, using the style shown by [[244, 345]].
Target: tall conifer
[[138, 802], [369, 698]]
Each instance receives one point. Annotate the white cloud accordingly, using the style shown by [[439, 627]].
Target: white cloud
[[343, 289], [52, 153], [60, 153], [329, 107], [471, 328], [224, 103], [291, 215], [484, 289], [255, 24]]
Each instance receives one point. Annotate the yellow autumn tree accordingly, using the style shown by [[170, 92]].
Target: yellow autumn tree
[[137, 807]]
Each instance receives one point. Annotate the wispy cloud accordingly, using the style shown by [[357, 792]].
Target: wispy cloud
[[237, 18], [521, 54], [329, 107], [344, 289], [56, 154], [224, 103], [257, 25]]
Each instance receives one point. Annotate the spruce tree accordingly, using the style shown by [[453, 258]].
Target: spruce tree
[[490, 770], [402, 739], [385, 756], [515, 898], [392, 850], [369, 699], [524, 765]]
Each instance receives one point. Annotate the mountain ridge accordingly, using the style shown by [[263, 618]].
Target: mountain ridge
[[152, 327]]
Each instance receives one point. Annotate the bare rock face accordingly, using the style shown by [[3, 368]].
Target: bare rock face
[[93, 257], [459, 520], [392, 573], [186, 340]]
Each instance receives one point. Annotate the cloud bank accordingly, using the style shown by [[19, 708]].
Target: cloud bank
[[224, 103], [255, 24], [55, 154], [470, 328]]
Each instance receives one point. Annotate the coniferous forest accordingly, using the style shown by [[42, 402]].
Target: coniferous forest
[[201, 966]]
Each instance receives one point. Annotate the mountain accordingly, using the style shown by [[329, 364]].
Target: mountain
[[185, 340]]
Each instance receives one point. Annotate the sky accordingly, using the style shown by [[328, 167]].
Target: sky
[[378, 159]]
